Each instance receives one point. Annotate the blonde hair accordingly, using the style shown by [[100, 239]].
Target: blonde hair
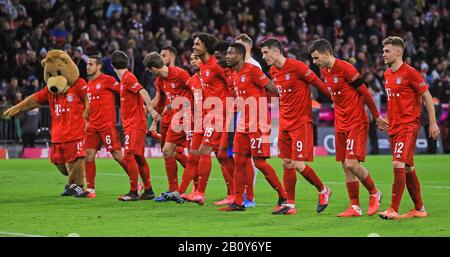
[[395, 41]]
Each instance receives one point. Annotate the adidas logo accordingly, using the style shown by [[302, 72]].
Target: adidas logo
[[207, 140], [398, 156], [351, 152], [300, 156], [259, 151]]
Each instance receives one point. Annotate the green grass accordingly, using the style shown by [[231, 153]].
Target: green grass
[[30, 204]]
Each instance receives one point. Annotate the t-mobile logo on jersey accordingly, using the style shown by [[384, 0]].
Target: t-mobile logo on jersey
[[58, 109], [390, 94]]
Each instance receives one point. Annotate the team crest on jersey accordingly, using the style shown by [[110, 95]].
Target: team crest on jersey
[[398, 81], [69, 98], [288, 76], [172, 85], [207, 73], [243, 78], [335, 80], [98, 86]]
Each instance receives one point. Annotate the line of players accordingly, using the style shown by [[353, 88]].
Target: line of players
[[224, 70]]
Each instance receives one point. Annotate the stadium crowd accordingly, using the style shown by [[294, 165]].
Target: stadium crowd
[[356, 28]]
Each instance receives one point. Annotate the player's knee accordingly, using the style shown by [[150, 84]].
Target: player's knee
[[288, 164], [259, 163], [193, 159], [117, 155], [409, 168], [239, 160], [398, 165], [299, 165], [90, 155], [351, 165], [167, 153]]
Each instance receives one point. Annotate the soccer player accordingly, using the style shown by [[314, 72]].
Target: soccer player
[[295, 137], [349, 94], [169, 55], [405, 89], [225, 154], [67, 124], [214, 86], [251, 84], [133, 97], [172, 81], [101, 123], [249, 196], [191, 171]]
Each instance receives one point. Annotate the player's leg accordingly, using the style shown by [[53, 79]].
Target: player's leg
[[92, 143], [413, 186], [351, 181], [190, 173], [239, 184], [144, 172], [76, 170], [62, 168], [132, 166], [227, 168], [171, 165], [412, 182]]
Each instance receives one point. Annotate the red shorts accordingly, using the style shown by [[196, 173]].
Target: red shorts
[[109, 137], [297, 144], [134, 141], [403, 143], [178, 138], [196, 141], [352, 144], [212, 138], [254, 144], [67, 152]]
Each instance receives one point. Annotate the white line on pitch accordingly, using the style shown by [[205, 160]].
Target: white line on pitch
[[19, 234]]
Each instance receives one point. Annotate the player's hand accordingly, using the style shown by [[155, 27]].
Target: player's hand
[[10, 112], [382, 124], [155, 115], [434, 131]]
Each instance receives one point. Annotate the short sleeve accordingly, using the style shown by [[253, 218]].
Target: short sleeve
[[42, 96], [132, 84], [259, 78], [183, 77], [350, 73], [417, 83], [113, 85], [304, 72]]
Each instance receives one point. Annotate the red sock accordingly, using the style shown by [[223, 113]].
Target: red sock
[[133, 172], [144, 171], [204, 169], [124, 165], [353, 192], [413, 186], [289, 182], [90, 174], [398, 187], [249, 179], [240, 174], [172, 173], [182, 159], [369, 185], [311, 176], [189, 173], [227, 167], [271, 176]]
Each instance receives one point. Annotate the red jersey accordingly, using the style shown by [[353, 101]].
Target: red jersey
[[67, 123], [131, 103], [213, 80], [404, 88], [102, 101], [163, 102], [174, 86], [292, 82], [348, 103], [249, 82]]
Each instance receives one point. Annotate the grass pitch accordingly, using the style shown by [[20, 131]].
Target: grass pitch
[[30, 204]]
